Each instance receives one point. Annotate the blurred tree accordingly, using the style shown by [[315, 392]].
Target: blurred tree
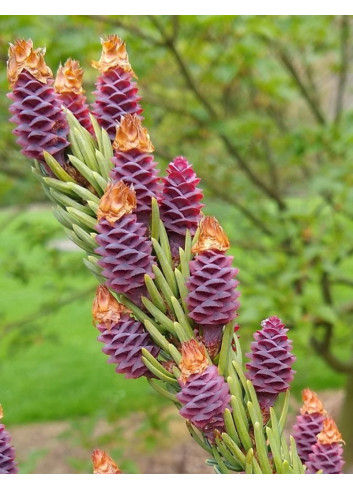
[[262, 107]]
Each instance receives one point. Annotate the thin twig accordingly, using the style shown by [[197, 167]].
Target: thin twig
[[46, 310], [342, 80]]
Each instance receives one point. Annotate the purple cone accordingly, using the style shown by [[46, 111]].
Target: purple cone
[[212, 298], [305, 431], [271, 359], [328, 458], [116, 95], [76, 103], [7, 453], [123, 343], [180, 206], [41, 123], [205, 396], [126, 256], [139, 170]]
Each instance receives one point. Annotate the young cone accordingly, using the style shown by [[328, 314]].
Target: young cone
[[212, 298], [103, 464], [7, 453], [327, 452], [123, 337], [126, 252], [204, 393], [271, 359], [36, 108], [180, 205], [116, 93], [68, 85], [134, 163], [308, 424]]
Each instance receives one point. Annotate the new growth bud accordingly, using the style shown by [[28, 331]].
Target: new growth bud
[[118, 200], [22, 56], [113, 54], [211, 237], [69, 78], [131, 135], [194, 359], [103, 464], [106, 309]]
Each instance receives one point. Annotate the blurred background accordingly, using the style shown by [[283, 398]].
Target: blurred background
[[262, 107]]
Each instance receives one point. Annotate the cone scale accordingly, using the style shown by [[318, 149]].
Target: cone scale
[[7, 452], [204, 393], [134, 164], [36, 108], [116, 94], [180, 204], [270, 363], [212, 298], [327, 453], [309, 424], [68, 85]]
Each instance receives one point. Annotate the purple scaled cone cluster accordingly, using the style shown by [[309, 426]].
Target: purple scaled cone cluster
[[327, 458], [138, 169], [126, 256], [204, 397], [305, 431], [270, 363], [123, 343], [180, 205], [41, 124], [7, 453], [116, 95]]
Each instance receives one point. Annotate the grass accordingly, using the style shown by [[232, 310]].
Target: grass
[[51, 367]]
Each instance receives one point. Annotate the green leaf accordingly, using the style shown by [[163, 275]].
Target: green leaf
[[242, 428], [164, 321], [82, 218], [166, 267], [230, 426], [164, 241], [56, 168], [156, 385], [163, 286], [155, 363], [275, 449], [261, 449], [182, 318], [155, 219], [86, 172], [183, 291], [248, 461], [224, 356], [154, 294]]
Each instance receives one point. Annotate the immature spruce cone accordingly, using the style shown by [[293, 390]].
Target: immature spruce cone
[[308, 424], [7, 453], [134, 164], [327, 452], [116, 93], [270, 367], [205, 396], [180, 206], [328, 458], [127, 256], [212, 298], [36, 108], [68, 85], [123, 343]]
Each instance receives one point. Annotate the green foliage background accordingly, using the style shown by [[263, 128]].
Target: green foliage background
[[262, 108]]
